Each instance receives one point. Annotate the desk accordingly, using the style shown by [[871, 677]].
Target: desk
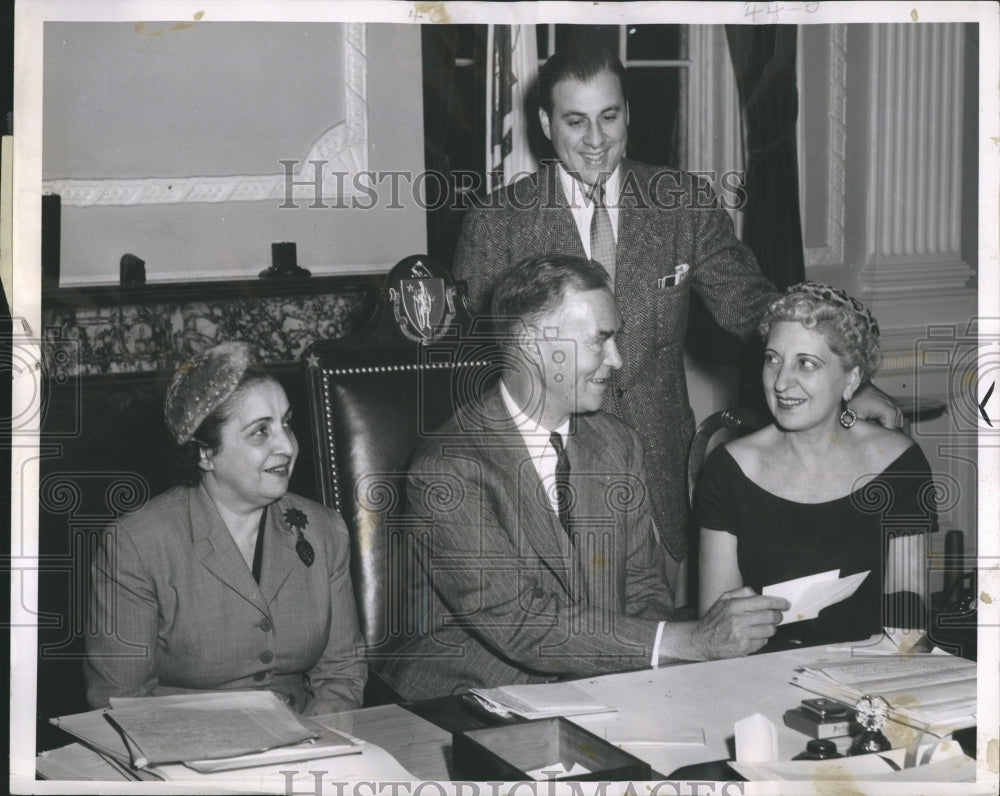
[[653, 703], [710, 696], [421, 748]]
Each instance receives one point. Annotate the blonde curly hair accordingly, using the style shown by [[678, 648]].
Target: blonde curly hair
[[846, 324]]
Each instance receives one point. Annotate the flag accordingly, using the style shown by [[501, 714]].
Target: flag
[[513, 71]]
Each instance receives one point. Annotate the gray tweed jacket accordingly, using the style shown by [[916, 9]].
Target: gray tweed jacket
[[504, 596], [665, 218]]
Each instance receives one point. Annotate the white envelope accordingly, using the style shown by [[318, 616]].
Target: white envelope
[[811, 594]]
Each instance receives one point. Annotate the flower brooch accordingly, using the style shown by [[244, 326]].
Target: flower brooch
[[297, 519]]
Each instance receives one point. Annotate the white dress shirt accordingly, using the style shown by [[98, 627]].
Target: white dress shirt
[[543, 457], [536, 440]]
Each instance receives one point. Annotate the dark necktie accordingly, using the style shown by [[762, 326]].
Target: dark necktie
[[562, 480], [602, 236]]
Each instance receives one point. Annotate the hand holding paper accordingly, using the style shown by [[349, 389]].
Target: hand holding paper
[[811, 594], [738, 623]]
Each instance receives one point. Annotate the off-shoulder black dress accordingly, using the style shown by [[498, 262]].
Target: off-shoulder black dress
[[781, 539]]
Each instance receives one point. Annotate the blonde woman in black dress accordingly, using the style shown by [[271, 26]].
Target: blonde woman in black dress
[[819, 489]]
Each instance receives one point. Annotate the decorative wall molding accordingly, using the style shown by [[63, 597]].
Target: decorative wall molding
[[906, 278], [831, 252], [342, 148], [907, 320], [914, 216]]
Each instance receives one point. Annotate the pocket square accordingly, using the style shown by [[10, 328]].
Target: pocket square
[[676, 278]]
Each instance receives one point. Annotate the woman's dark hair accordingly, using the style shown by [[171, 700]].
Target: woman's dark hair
[[187, 457]]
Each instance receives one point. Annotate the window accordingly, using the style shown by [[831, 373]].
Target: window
[[657, 63]]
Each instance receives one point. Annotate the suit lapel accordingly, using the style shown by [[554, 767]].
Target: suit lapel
[[279, 552], [588, 452], [554, 230], [217, 550], [631, 286], [538, 528]]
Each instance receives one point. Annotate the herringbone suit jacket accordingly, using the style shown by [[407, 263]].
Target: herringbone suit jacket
[[665, 218], [506, 596]]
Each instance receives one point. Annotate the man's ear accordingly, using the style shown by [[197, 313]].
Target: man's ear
[[205, 458], [543, 117], [853, 382], [527, 343], [626, 114]]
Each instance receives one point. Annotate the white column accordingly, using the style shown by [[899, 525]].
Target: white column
[[914, 215]]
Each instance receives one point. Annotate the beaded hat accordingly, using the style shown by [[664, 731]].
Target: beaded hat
[[849, 321], [201, 384], [837, 296]]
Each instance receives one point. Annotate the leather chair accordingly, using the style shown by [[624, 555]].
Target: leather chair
[[718, 427], [735, 422], [371, 402]]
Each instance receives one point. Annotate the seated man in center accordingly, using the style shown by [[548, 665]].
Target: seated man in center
[[541, 560]]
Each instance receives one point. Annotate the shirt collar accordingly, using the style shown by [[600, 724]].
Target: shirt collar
[[578, 195], [532, 431]]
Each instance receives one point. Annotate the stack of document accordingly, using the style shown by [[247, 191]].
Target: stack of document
[[541, 701], [219, 731], [932, 692]]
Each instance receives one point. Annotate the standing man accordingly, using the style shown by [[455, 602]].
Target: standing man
[[541, 559], [658, 233]]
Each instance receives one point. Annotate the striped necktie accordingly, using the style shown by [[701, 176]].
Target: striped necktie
[[563, 497], [602, 236]]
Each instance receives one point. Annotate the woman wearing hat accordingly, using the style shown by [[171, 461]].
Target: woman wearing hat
[[227, 581], [819, 489]]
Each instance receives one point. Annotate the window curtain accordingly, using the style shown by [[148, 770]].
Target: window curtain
[[764, 63], [513, 53]]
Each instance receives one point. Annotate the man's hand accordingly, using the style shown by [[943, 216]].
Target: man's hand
[[872, 404], [740, 622]]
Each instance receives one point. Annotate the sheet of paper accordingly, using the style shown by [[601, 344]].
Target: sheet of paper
[[557, 771], [811, 594], [756, 739], [940, 762], [936, 693], [633, 735], [96, 731], [543, 700], [78, 762], [330, 743], [892, 641], [373, 764], [792, 590], [198, 727], [852, 769]]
